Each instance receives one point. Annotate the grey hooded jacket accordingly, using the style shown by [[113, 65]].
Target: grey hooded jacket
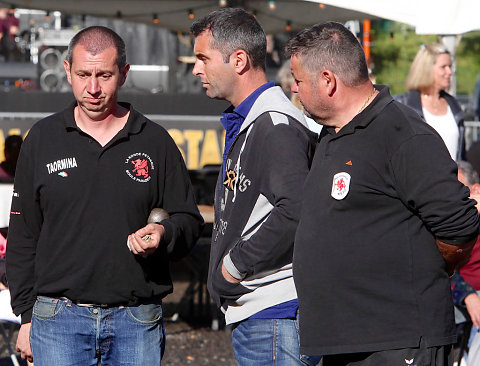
[[257, 208]]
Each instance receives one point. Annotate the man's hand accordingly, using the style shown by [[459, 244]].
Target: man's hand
[[472, 302], [455, 255], [146, 240], [228, 276], [475, 194], [23, 342]]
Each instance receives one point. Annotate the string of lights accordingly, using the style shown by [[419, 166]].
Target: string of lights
[[190, 12]]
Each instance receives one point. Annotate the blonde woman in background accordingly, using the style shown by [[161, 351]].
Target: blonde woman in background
[[427, 80]]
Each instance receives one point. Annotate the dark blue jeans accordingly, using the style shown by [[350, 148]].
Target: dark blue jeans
[[267, 342], [63, 333]]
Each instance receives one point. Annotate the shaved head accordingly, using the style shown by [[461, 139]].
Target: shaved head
[[97, 39]]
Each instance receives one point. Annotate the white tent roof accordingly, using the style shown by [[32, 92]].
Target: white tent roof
[[427, 16], [443, 17], [173, 14]]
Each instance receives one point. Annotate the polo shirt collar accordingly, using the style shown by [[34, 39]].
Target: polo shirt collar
[[366, 116], [133, 126]]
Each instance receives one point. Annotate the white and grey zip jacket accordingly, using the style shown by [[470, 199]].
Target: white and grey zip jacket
[[257, 215]]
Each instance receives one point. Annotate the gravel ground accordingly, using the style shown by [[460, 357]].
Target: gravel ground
[[190, 338], [187, 345]]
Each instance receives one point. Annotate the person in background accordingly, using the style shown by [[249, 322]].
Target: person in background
[[268, 150], [384, 219], [8, 30], [286, 80], [466, 281], [427, 81], [85, 270], [11, 151]]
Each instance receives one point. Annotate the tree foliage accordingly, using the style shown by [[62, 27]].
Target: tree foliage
[[468, 62]]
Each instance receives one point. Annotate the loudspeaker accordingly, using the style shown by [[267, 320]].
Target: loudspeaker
[[51, 73]]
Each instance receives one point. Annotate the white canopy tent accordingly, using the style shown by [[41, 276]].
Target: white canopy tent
[[443, 17], [174, 14]]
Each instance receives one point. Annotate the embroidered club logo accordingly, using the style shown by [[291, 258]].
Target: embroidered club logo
[[139, 167], [340, 185], [230, 178]]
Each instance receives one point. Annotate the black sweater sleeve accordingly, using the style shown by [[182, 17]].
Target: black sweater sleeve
[[285, 165], [185, 224], [420, 165], [24, 229]]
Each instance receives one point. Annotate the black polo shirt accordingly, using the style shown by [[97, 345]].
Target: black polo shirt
[[367, 269], [75, 202]]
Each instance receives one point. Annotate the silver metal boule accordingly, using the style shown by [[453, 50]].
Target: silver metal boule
[[157, 215]]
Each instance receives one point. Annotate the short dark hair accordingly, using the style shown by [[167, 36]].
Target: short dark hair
[[330, 46], [233, 29], [97, 39]]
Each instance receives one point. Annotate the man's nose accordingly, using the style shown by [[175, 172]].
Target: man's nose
[[93, 85], [196, 68], [294, 87]]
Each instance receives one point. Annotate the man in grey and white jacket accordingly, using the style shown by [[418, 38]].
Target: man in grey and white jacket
[[268, 150]]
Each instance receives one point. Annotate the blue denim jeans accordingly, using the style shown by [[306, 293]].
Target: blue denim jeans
[[267, 342], [63, 334]]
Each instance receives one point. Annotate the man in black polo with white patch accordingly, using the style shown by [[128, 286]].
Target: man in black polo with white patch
[[384, 219], [86, 272]]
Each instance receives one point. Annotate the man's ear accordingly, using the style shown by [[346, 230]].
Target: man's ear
[[240, 61], [328, 80], [66, 66], [124, 73]]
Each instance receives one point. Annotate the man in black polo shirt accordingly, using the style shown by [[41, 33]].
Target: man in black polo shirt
[[384, 219], [86, 181]]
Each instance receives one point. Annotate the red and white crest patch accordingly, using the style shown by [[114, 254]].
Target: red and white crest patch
[[139, 167], [340, 185]]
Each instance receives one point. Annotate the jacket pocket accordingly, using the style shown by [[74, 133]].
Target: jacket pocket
[[227, 290]]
